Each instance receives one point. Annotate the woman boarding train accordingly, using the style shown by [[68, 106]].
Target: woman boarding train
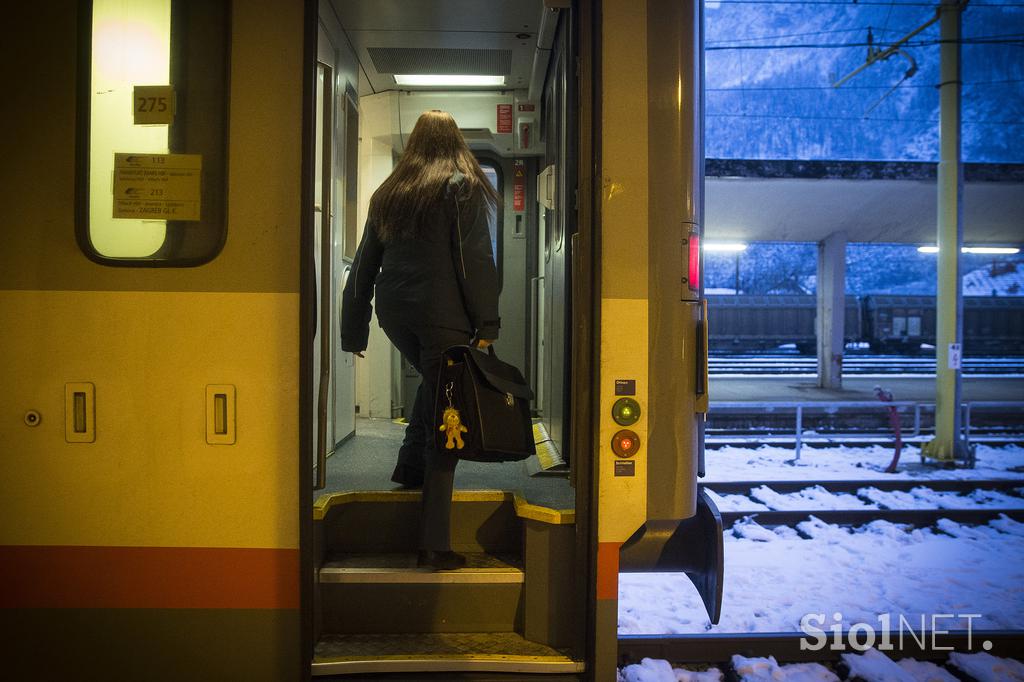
[[426, 252]]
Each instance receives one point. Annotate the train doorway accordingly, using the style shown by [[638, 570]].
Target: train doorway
[[372, 611]]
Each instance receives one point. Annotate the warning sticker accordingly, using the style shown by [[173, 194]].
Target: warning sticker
[[519, 185], [504, 118], [157, 186], [625, 467]]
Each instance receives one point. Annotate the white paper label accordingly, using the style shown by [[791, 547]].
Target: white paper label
[[955, 356], [157, 186]]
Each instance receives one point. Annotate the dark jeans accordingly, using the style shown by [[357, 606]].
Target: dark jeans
[[418, 459]]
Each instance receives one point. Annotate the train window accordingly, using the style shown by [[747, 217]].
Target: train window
[[493, 173], [152, 101]]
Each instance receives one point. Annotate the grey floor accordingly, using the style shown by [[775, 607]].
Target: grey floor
[[365, 462]]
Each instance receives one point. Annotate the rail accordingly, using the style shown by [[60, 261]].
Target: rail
[[966, 407], [718, 647]]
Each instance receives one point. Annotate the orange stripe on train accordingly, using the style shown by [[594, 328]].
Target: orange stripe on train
[[148, 577]]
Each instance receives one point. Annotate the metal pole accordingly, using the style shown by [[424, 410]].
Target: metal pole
[[947, 445]]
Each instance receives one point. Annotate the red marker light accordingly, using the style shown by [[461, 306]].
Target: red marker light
[[627, 444], [693, 276]]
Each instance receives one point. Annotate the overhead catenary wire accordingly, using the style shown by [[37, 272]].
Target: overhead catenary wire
[[782, 88], [1016, 40], [860, 3]]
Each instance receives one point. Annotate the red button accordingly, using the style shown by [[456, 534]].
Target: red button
[[625, 443]]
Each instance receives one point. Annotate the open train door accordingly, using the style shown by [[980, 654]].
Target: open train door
[[648, 371]]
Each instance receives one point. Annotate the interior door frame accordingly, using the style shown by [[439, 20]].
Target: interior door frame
[[307, 318]]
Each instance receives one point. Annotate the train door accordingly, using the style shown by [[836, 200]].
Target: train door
[[335, 194], [346, 203], [323, 344], [556, 197]]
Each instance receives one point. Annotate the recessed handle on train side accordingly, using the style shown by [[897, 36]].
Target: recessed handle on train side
[[220, 414], [80, 412]]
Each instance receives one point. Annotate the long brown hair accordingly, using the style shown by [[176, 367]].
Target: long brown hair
[[433, 153]]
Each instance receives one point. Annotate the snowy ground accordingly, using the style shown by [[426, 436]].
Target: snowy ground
[[774, 577], [769, 463], [870, 666], [763, 498]]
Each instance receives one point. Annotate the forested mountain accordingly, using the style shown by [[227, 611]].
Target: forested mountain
[[770, 68]]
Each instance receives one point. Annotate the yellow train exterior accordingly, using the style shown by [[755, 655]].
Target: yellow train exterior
[[136, 545]]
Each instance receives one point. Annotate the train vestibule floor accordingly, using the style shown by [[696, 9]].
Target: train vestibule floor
[[365, 462]]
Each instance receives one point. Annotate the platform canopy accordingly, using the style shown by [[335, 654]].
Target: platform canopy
[[880, 202]]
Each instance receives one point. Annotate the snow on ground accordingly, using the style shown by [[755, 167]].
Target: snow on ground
[[925, 498], [926, 671], [773, 577], [768, 670], [870, 666], [763, 498], [874, 666], [735, 502], [771, 463], [988, 668], [814, 497], [657, 670]]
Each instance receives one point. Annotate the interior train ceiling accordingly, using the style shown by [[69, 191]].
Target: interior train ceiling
[[441, 37], [880, 211]]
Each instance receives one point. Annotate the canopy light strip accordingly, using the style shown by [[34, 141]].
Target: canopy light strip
[[448, 80], [725, 246], [1008, 250]]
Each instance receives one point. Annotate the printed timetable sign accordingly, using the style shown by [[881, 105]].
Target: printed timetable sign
[[157, 186]]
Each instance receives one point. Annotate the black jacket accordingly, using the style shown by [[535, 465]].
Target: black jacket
[[432, 280]]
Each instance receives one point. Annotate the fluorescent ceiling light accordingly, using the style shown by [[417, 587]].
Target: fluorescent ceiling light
[[448, 80], [974, 249], [725, 246], [990, 249]]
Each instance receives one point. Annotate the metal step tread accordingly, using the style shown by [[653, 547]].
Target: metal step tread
[[401, 568], [437, 652]]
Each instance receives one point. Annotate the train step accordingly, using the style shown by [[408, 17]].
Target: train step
[[362, 593], [515, 595], [498, 652], [372, 522]]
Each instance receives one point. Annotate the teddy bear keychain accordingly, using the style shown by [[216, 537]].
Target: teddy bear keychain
[[451, 423]]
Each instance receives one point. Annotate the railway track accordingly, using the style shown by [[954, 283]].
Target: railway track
[[769, 364], [717, 648], [973, 513]]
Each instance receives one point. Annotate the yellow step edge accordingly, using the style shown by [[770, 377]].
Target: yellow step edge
[[523, 508]]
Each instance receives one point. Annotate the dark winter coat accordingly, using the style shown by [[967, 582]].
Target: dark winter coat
[[434, 279]]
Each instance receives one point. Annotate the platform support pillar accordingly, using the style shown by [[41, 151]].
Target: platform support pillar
[[831, 318], [948, 444]]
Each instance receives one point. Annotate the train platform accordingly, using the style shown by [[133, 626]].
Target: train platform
[[767, 389]]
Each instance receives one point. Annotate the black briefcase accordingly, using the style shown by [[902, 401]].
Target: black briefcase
[[482, 408]]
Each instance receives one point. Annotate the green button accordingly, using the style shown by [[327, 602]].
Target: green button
[[626, 411]]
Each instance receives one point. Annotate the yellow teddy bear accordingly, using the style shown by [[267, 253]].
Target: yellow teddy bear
[[453, 428]]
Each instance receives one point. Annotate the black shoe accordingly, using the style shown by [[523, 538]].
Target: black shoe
[[407, 478], [440, 561]]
